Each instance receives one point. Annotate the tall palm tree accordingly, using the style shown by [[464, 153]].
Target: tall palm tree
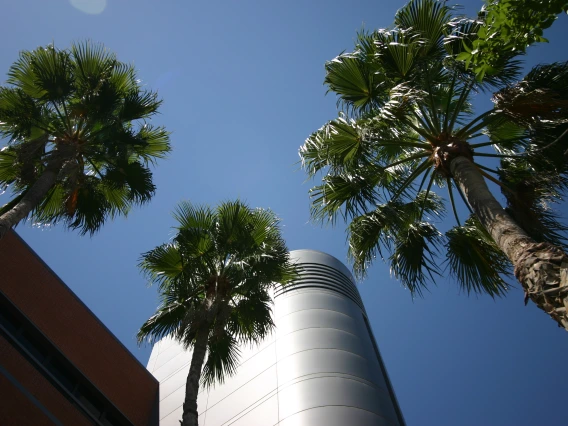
[[407, 127], [79, 144], [214, 282]]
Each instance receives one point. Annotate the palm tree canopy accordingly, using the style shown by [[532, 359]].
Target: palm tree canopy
[[87, 109], [217, 273], [405, 113]]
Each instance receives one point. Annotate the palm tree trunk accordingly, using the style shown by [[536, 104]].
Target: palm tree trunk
[[541, 268], [33, 197], [190, 415]]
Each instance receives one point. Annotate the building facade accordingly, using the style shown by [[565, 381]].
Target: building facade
[[59, 365], [321, 366]]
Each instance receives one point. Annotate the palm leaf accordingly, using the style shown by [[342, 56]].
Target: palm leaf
[[222, 358], [413, 259], [162, 264], [355, 81], [541, 97], [164, 322], [93, 65], [348, 194], [474, 260], [8, 167], [428, 19], [536, 185]]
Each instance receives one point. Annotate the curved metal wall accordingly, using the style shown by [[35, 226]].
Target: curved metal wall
[[320, 367]]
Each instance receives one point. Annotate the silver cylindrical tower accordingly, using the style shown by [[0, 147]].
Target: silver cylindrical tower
[[320, 367]]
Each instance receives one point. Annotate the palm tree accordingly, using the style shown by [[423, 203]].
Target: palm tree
[[407, 127], [214, 281], [79, 144]]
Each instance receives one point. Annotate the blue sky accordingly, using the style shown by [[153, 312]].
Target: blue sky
[[242, 89]]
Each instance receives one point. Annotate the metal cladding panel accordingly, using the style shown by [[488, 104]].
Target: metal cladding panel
[[335, 416], [248, 372], [320, 367], [334, 391], [245, 398], [263, 414]]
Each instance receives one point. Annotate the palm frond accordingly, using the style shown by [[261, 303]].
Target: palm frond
[[222, 358], [164, 322], [52, 208], [162, 264], [540, 98], [413, 258], [20, 114], [93, 63], [13, 202], [91, 208], [139, 105], [45, 74], [398, 51], [355, 81], [369, 233], [474, 260], [336, 145], [507, 137], [427, 18], [536, 186], [152, 143], [134, 177], [251, 317], [461, 32], [8, 166], [348, 194]]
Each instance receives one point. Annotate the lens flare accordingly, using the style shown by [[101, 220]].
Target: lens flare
[[92, 7]]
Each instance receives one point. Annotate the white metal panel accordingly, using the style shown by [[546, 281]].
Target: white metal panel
[[236, 403], [326, 361], [299, 300], [174, 402], [168, 354], [248, 371], [334, 391], [264, 414], [316, 318], [320, 338], [335, 416], [172, 366]]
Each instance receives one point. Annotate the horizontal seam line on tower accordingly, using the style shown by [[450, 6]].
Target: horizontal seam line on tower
[[347, 406], [337, 375], [316, 309], [356, 300]]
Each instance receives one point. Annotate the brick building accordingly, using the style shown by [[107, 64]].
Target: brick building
[[59, 365]]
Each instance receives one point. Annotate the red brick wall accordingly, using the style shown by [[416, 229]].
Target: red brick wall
[[16, 408], [58, 313]]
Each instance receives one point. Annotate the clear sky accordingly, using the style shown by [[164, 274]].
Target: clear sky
[[242, 89]]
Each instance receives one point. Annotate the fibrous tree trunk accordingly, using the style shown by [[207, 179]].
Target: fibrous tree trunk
[[190, 415], [541, 268], [33, 197]]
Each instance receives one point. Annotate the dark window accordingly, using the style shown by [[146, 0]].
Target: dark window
[[62, 374], [9, 321], [109, 420], [89, 401], [29, 341]]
